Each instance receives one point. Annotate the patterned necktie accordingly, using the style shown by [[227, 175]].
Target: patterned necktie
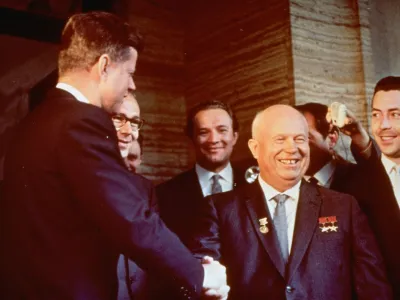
[[216, 186], [280, 224]]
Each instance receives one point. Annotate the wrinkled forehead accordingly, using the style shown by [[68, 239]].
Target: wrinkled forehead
[[284, 124], [129, 108]]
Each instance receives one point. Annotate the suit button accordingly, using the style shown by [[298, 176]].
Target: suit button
[[289, 289]]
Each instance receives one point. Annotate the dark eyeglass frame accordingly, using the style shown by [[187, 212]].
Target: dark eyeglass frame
[[136, 123]]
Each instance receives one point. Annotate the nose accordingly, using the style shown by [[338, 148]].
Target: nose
[[213, 137], [131, 84], [126, 129], [385, 123], [290, 145]]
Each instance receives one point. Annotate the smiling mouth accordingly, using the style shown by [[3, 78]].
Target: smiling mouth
[[387, 138], [123, 142], [289, 162]]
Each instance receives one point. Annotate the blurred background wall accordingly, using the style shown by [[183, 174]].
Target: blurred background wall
[[249, 53]]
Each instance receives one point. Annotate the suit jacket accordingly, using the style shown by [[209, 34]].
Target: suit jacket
[[337, 264], [343, 173], [372, 188], [70, 207], [133, 283], [179, 201]]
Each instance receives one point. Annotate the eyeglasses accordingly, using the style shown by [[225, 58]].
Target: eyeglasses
[[120, 120]]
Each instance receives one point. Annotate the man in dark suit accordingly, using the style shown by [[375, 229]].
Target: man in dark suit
[[327, 168], [284, 238], [127, 123], [213, 128], [70, 206], [377, 182]]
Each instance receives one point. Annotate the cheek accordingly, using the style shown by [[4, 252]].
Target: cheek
[[374, 124], [201, 140]]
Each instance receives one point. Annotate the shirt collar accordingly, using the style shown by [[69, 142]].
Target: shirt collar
[[325, 173], [205, 175], [388, 164], [270, 192], [73, 91]]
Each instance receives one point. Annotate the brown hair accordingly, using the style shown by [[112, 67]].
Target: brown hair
[[213, 104], [87, 36]]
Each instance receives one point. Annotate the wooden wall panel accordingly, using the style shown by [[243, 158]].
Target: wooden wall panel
[[160, 89], [328, 55], [239, 52]]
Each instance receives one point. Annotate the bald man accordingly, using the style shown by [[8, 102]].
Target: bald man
[[284, 238]]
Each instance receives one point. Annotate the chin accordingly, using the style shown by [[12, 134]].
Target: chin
[[124, 153]]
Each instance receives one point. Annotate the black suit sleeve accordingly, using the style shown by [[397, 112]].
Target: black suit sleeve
[[205, 240], [369, 273], [113, 200]]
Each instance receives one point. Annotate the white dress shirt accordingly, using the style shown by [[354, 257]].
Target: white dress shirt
[[73, 91], [393, 172], [290, 204], [205, 179], [324, 175]]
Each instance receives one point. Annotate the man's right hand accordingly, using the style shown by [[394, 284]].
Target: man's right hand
[[353, 128], [215, 284]]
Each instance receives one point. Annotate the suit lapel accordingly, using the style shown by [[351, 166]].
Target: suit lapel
[[238, 177], [306, 221], [257, 208], [193, 184]]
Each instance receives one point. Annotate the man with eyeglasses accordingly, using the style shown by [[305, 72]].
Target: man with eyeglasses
[[70, 205], [127, 123]]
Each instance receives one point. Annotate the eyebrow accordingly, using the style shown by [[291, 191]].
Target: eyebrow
[[390, 109]]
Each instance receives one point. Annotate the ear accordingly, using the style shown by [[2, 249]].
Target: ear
[[103, 65], [253, 146], [332, 139], [235, 137]]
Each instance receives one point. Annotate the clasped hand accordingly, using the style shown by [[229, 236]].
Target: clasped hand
[[215, 284]]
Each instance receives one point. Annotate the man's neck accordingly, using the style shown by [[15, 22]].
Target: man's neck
[[280, 186], [212, 167], [395, 160], [83, 84], [315, 168]]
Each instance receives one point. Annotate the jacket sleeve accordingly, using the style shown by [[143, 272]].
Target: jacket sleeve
[[114, 200], [205, 239], [369, 273]]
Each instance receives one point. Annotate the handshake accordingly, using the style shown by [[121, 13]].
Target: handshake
[[214, 284]]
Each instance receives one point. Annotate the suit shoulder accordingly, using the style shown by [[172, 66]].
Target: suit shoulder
[[227, 199], [176, 183], [335, 196]]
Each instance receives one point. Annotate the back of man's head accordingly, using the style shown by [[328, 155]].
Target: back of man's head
[[318, 111], [87, 36]]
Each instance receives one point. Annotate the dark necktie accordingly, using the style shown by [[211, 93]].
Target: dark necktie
[[216, 186], [280, 223]]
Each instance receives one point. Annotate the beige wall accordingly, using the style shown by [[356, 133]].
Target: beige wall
[[239, 52], [250, 53], [160, 89], [385, 24]]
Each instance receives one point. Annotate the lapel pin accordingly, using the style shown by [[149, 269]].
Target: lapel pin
[[263, 225], [328, 224]]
